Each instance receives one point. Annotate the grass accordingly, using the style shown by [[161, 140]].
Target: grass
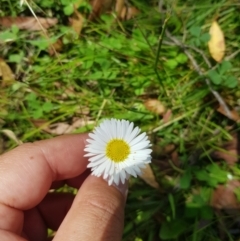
[[110, 71]]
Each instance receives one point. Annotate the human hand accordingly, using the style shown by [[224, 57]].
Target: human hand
[[27, 209]]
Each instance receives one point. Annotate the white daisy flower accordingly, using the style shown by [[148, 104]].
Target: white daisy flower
[[116, 150]]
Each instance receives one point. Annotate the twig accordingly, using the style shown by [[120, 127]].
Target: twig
[[193, 48], [200, 72], [232, 55], [203, 55], [39, 23]]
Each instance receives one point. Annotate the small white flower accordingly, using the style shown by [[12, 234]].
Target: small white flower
[[116, 151]]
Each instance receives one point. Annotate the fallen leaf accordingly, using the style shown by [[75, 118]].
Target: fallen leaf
[[229, 152], [55, 47], [76, 22], [119, 7], [167, 116], [216, 43], [223, 197], [6, 73], [148, 176], [11, 135], [28, 23], [57, 128], [233, 113], [61, 128], [155, 106], [175, 158], [98, 7], [128, 12]]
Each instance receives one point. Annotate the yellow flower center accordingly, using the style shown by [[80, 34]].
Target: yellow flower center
[[117, 150]]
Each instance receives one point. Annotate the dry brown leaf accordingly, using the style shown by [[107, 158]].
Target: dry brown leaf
[[128, 12], [148, 176], [216, 43], [77, 22], [224, 197], [167, 116], [11, 135], [155, 106], [28, 23], [234, 114], [57, 128], [98, 7], [55, 47], [230, 151], [61, 128], [6, 73], [119, 7]]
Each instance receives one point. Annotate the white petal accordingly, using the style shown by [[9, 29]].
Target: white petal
[[91, 150], [138, 139], [128, 131], [122, 176], [96, 163], [140, 146], [111, 170], [132, 135], [89, 154], [110, 180], [116, 179]]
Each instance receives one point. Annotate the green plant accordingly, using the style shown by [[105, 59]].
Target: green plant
[[222, 75]]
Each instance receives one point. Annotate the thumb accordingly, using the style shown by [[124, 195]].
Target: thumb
[[97, 213]]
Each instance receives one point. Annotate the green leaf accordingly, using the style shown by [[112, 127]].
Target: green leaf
[[15, 29], [171, 230], [31, 97], [87, 64], [68, 10], [47, 107], [181, 58], [215, 172], [224, 67], [205, 37], [65, 2], [186, 180], [206, 212], [37, 113], [42, 44], [16, 58], [195, 31], [215, 77], [202, 175], [191, 212], [139, 91], [172, 204], [197, 42], [46, 3], [231, 82], [212, 175], [171, 63], [7, 36], [96, 75]]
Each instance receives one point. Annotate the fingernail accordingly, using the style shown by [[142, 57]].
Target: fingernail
[[123, 188]]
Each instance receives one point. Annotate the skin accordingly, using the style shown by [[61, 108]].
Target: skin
[[27, 208]]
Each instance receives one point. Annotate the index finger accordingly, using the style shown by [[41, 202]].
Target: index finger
[[26, 173]]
